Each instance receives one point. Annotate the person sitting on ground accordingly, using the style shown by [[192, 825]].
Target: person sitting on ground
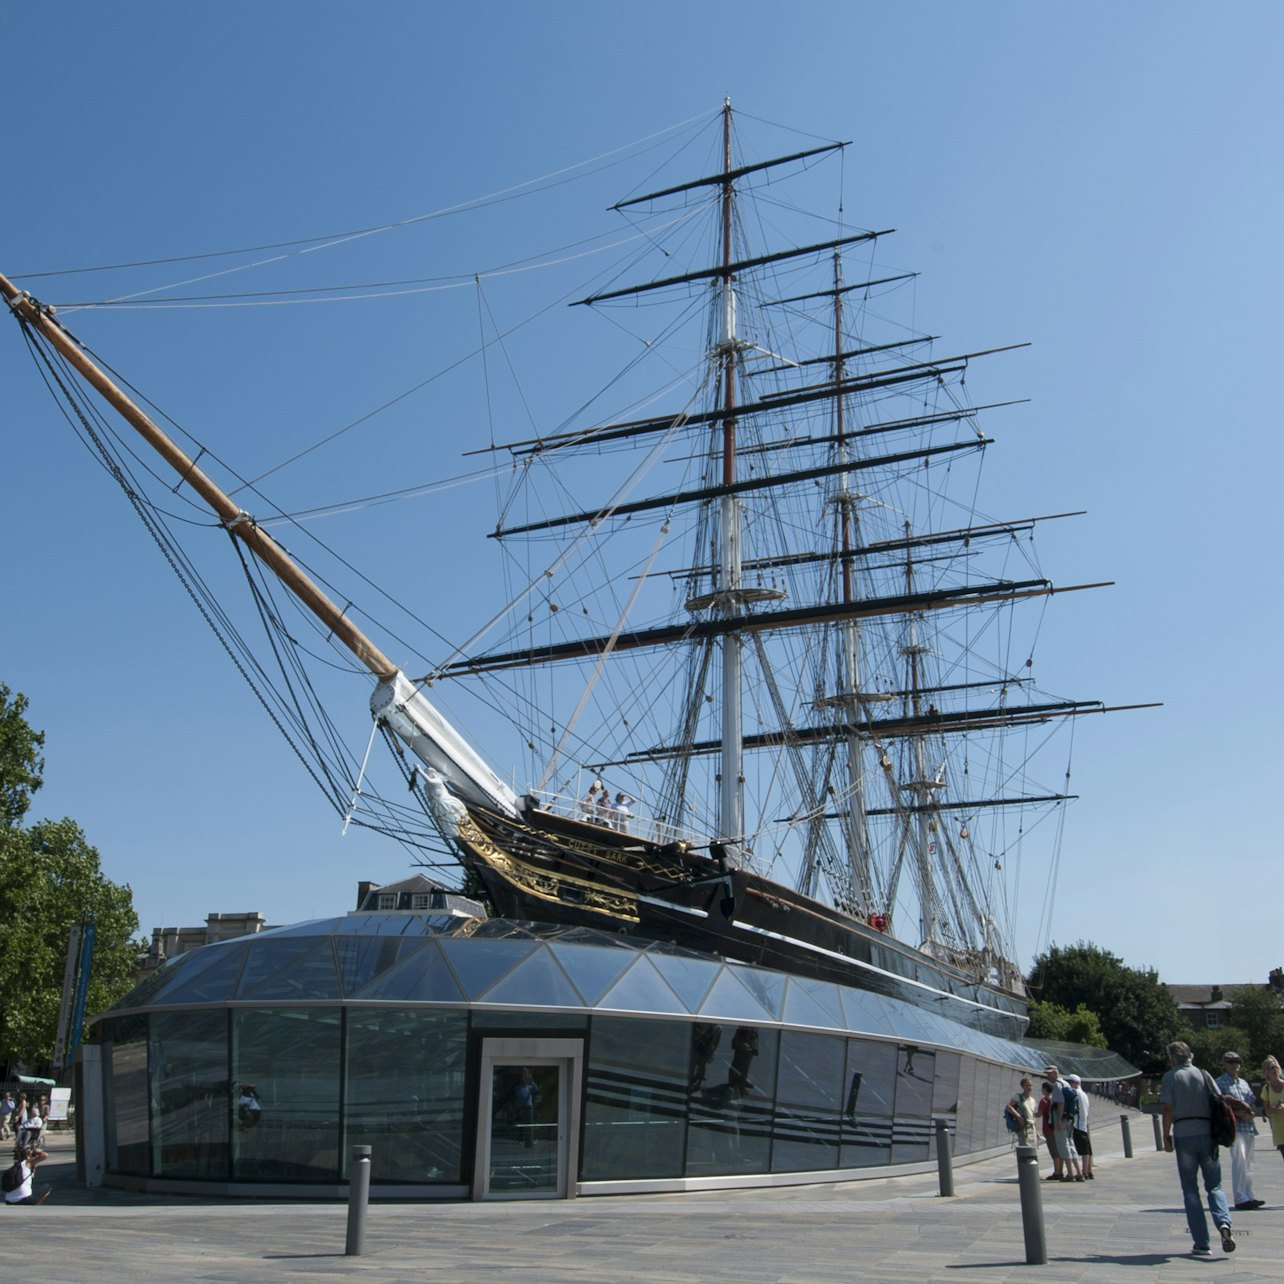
[[25, 1192]]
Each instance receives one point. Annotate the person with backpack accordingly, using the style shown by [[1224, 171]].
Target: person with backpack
[[1022, 1110], [19, 1180], [1184, 1097], [1063, 1151]]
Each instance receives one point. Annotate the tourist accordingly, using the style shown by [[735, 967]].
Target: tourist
[[1044, 1111], [1025, 1110], [7, 1107], [1079, 1128], [1273, 1101], [25, 1191], [1183, 1100], [1239, 1096], [1063, 1143]]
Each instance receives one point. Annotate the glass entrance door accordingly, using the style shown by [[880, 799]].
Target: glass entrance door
[[528, 1119], [525, 1130]]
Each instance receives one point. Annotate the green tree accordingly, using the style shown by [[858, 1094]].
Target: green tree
[[1052, 1022], [21, 765], [51, 881], [1138, 1016], [1209, 1046], [1257, 1011]]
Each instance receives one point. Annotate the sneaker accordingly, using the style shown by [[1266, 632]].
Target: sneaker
[[1079, 1177], [1201, 1251], [1228, 1240]]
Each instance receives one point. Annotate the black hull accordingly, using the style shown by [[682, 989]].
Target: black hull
[[548, 868]]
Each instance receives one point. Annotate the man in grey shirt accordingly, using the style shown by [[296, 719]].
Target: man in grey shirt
[[1183, 1098]]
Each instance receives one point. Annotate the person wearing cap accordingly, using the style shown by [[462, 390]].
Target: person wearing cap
[[1188, 1133], [1065, 1160], [1079, 1133], [1239, 1096]]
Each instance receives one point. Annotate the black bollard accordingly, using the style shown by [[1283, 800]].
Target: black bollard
[[1127, 1132], [1036, 1242], [1159, 1141], [944, 1157], [358, 1199]]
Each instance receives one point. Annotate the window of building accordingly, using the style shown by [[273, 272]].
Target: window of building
[[421, 901], [1212, 1020], [387, 900]]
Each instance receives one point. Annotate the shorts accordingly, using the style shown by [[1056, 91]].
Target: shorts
[[1082, 1142], [1061, 1143]]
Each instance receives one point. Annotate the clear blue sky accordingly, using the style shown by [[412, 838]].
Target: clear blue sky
[[1103, 180]]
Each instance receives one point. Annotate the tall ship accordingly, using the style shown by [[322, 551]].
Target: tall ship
[[758, 653]]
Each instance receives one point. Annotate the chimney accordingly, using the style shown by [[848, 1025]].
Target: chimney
[[1217, 994], [1276, 978], [364, 888]]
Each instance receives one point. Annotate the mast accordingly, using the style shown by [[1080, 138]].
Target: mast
[[731, 795], [854, 825], [395, 701]]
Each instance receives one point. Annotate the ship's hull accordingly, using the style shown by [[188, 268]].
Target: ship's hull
[[549, 868]]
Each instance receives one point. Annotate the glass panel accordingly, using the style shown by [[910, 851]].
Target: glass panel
[[536, 980], [732, 1092], [207, 979], [312, 976], [405, 1092], [524, 1145], [269, 956], [285, 1094], [362, 958], [913, 1128], [635, 1111], [190, 1116], [810, 1098], [867, 1013], [423, 977], [965, 1140], [870, 1088], [690, 978], [125, 1054], [767, 987], [813, 1003], [141, 995], [479, 963], [591, 969], [642, 989], [730, 1001]]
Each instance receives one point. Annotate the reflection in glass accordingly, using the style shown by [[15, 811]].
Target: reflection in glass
[[869, 1099], [405, 1092], [286, 1060], [125, 1058], [636, 1105], [810, 1101], [913, 1129], [524, 1148], [189, 1095], [733, 1088]]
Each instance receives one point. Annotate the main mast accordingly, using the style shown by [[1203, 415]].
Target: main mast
[[731, 791]]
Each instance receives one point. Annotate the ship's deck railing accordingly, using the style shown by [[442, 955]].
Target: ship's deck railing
[[630, 821]]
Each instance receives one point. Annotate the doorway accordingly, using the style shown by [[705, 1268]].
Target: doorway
[[528, 1119]]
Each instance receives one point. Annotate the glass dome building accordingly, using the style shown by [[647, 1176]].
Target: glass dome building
[[493, 1059]]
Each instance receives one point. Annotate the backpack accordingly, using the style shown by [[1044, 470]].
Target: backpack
[[12, 1178], [1014, 1125], [1221, 1118], [1070, 1096]]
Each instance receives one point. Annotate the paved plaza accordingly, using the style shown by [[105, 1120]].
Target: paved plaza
[[1126, 1226]]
